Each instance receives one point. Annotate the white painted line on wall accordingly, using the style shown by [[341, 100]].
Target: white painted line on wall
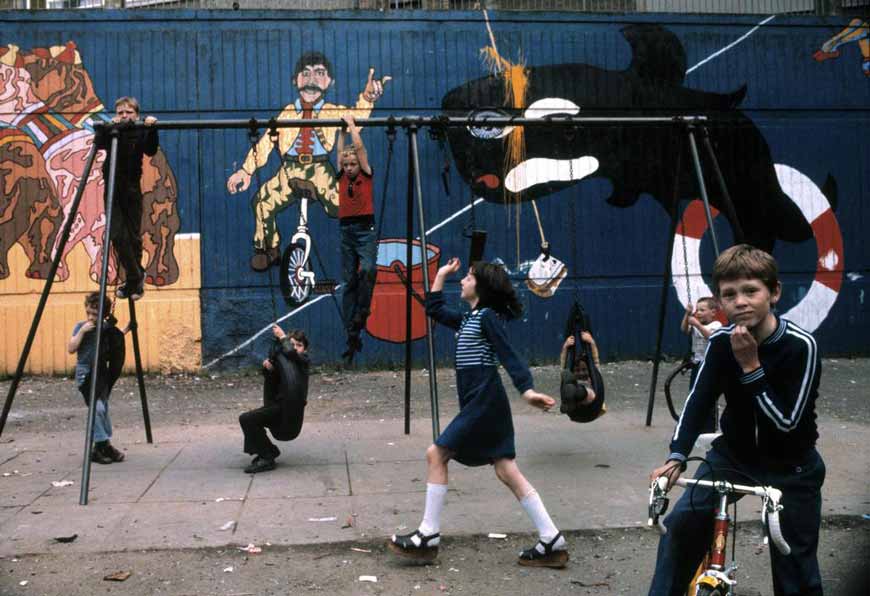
[[732, 44], [268, 327]]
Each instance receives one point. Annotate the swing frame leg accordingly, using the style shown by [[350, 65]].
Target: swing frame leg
[[409, 255], [418, 187], [666, 275], [95, 368]]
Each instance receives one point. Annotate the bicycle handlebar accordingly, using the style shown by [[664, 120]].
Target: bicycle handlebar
[[770, 498]]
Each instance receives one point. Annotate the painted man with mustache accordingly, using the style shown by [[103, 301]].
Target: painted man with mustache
[[305, 166]]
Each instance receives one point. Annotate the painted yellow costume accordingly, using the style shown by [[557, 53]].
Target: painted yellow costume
[[304, 155]]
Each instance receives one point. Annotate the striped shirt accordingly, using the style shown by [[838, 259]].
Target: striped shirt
[[472, 348]]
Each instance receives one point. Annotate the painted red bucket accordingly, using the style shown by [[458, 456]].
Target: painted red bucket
[[387, 318]]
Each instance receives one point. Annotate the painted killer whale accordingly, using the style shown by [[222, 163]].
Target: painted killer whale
[[635, 159]]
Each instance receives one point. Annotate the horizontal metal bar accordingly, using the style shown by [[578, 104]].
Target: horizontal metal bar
[[418, 121]]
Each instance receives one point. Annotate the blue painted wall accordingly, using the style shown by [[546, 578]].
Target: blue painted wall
[[189, 65]]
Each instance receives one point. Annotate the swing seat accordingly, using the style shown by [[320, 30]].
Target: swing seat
[[292, 393], [545, 275]]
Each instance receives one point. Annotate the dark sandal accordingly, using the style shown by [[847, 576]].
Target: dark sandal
[[549, 558], [404, 545]]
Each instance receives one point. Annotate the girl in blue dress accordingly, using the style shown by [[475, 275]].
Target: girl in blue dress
[[482, 432]]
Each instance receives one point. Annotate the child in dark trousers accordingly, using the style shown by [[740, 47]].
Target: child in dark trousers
[[126, 230], [285, 394], [482, 432], [111, 362], [768, 368], [359, 239]]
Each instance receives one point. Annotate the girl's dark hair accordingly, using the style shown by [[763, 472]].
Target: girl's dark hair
[[494, 290]]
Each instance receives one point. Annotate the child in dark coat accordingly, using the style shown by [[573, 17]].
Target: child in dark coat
[[285, 393]]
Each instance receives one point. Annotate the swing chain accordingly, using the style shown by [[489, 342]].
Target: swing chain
[[253, 137]]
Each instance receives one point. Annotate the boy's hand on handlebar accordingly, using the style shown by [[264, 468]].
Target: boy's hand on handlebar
[[671, 470], [278, 332], [568, 342], [541, 401], [267, 364]]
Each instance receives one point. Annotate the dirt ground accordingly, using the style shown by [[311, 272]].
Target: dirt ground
[[52, 404], [602, 562]]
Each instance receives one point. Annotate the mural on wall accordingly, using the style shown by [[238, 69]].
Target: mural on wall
[[858, 30], [305, 172], [772, 201], [48, 106]]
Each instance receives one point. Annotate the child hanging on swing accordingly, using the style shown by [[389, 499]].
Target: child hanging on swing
[[112, 352], [701, 322], [359, 239], [482, 432], [582, 386]]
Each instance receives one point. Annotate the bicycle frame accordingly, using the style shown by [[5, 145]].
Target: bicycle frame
[[717, 574]]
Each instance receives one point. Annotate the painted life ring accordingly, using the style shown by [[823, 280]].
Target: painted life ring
[[815, 305]]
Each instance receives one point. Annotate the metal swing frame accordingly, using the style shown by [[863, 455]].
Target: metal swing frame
[[412, 126]]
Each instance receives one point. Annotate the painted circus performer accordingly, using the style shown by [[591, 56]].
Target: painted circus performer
[[482, 432], [858, 31], [304, 151]]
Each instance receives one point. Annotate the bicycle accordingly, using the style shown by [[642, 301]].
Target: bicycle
[[715, 577]]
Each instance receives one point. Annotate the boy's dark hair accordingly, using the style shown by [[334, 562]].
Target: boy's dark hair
[[711, 302], [92, 300], [299, 336], [494, 290], [743, 261], [130, 101], [312, 59]]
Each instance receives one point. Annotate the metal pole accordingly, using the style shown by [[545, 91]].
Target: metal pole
[[703, 188], [432, 121], [433, 382], [666, 278], [726, 196], [409, 259], [140, 378], [95, 368], [46, 290]]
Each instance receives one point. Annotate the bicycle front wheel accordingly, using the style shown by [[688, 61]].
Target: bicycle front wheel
[[295, 287], [703, 590]]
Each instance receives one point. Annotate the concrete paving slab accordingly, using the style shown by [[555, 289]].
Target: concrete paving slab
[[296, 521], [8, 512], [211, 455], [115, 483], [388, 477], [38, 460], [197, 484], [32, 532], [183, 525], [142, 456], [294, 481], [23, 488]]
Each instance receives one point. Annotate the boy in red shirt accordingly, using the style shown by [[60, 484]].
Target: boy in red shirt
[[359, 240]]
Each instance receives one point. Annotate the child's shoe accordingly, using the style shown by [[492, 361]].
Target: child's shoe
[[415, 546], [112, 453], [546, 554], [99, 456]]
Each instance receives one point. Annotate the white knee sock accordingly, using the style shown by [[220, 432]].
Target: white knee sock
[[431, 524], [538, 514]]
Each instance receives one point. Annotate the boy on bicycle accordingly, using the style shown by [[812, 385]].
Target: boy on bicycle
[[768, 368]]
